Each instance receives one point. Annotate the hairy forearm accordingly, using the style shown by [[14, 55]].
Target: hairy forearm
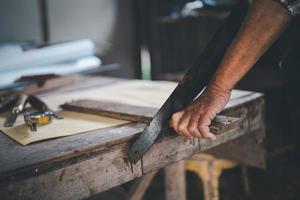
[[265, 21], [263, 24]]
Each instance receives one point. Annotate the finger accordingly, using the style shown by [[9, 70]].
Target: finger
[[182, 126], [203, 127], [193, 126], [175, 120], [204, 130]]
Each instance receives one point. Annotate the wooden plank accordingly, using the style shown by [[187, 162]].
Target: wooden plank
[[112, 109], [175, 181], [138, 113], [140, 186]]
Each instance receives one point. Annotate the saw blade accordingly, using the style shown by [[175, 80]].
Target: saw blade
[[194, 81]]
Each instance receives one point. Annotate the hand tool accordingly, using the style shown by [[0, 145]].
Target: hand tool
[[194, 81], [34, 119], [20, 104], [42, 117], [41, 106]]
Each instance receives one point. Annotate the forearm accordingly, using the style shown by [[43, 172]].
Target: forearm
[[264, 23]]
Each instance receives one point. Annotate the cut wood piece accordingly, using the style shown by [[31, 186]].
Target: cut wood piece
[[139, 114], [112, 109]]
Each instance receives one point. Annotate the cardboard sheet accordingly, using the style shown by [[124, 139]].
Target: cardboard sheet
[[146, 93], [72, 123]]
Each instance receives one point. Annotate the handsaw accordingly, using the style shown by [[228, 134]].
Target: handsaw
[[194, 81]]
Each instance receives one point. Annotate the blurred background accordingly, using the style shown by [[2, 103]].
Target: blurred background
[[127, 36], [146, 39]]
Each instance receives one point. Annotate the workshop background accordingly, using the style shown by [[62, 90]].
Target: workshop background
[[157, 40]]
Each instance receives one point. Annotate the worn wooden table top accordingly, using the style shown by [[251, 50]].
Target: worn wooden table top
[[81, 165]]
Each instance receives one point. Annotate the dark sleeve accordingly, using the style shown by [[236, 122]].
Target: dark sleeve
[[292, 6]]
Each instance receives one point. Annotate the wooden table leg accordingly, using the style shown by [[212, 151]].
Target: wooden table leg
[[209, 170], [175, 181], [140, 186]]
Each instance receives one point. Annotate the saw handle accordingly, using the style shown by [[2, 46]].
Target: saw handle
[[20, 103], [37, 103]]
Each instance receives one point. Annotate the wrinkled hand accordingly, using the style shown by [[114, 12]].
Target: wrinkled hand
[[193, 121]]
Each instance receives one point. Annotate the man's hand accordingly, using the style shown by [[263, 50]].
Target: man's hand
[[193, 122], [263, 24]]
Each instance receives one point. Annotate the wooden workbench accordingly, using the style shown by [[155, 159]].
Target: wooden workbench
[[82, 165]]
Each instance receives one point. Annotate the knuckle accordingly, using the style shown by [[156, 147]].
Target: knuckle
[[181, 128], [176, 114], [203, 130], [205, 134], [202, 118], [192, 129], [202, 121], [174, 117], [186, 135], [174, 123], [202, 127]]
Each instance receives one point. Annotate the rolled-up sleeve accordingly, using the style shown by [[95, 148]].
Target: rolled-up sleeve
[[293, 6]]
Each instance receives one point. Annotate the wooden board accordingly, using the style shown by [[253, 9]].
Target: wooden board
[[112, 109]]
